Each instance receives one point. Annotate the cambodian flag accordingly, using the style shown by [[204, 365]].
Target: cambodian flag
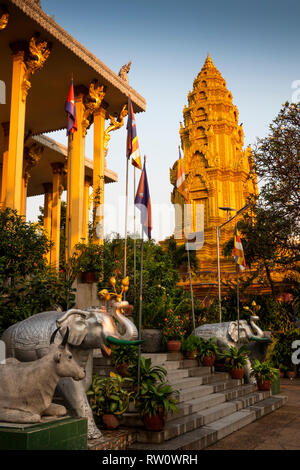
[[143, 203], [132, 150], [71, 111]]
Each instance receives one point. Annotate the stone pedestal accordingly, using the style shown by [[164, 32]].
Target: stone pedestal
[[51, 434]]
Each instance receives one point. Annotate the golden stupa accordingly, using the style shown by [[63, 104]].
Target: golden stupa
[[218, 172]]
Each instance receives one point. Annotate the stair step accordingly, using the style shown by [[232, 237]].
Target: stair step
[[194, 392], [184, 409], [183, 424], [239, 391], [198, 439]]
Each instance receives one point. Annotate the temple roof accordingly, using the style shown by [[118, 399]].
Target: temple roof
[[209, 66], [56, 152], [45, 101]]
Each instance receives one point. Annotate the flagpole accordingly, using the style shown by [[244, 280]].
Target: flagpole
[[70, 142], [126, 221], [134, 228], [191, 287], [140, 311], [238, 301]]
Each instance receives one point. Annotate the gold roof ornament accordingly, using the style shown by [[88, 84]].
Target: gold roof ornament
[[4, 17]]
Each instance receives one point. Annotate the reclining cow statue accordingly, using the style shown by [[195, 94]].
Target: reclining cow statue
[[27, 389], [93, 328]]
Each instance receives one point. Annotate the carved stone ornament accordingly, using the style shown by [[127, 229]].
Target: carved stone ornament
[[32, 156], [114, 125], [124, 70], [38, 53], [4, 17], [92, 102]]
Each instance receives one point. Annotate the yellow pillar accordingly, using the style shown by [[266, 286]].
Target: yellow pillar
[[16, 133], [98, 176], [23, 196], [5, 126], [76, 192], [85, 230], [48, 188], [57, 169]]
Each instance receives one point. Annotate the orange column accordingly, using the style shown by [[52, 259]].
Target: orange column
[[86, 207], [56, 213], [98, 176], [76, 192], [5, 127], [16, 133], [48, 188]]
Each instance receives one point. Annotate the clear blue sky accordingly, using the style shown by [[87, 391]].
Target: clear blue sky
[[255, 45]]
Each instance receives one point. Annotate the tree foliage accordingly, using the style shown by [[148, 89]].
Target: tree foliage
[[27, 284]]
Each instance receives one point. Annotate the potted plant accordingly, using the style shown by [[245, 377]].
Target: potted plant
[[265, 373], [153, 403], [207, 352], [87, 261], [173, 331], [190, 346], [291, 372], [235, 361], [122, 357], [282, 370], [109, 399], [149, 373]]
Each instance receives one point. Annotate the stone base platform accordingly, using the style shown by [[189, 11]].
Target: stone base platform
[[119, 439], [51, 434]]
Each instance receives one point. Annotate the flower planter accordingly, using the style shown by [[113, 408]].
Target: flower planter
[[174, 346], [155, 422], [237, 373], [208, 361], [264, 386], [89, 277], [291, 374], [281, 374], [191, 354], [110, 421]]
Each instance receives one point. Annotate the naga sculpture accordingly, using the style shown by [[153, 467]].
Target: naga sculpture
[[124, 70], [28, 340], [26, 390], [226, 335]]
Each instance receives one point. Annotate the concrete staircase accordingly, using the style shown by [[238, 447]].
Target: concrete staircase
[[211, 405]]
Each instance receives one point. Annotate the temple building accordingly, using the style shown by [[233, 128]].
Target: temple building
[[218, 172], [38, 59]]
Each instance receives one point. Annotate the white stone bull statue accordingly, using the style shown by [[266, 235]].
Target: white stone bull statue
[[89, 329], [27, 389]]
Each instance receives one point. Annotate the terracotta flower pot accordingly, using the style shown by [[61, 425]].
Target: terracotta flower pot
[[174, 346], [281, 374], [208, 361], [291, 374], [110, 421], [265, 386], [155, 422], [90, 277], [237, 373], [191, 354]]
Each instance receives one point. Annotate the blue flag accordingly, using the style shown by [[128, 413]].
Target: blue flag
[[143, 203]]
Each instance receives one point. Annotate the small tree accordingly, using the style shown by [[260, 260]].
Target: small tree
[[27, 285]]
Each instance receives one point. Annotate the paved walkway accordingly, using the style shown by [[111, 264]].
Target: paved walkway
[[279, 430]]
